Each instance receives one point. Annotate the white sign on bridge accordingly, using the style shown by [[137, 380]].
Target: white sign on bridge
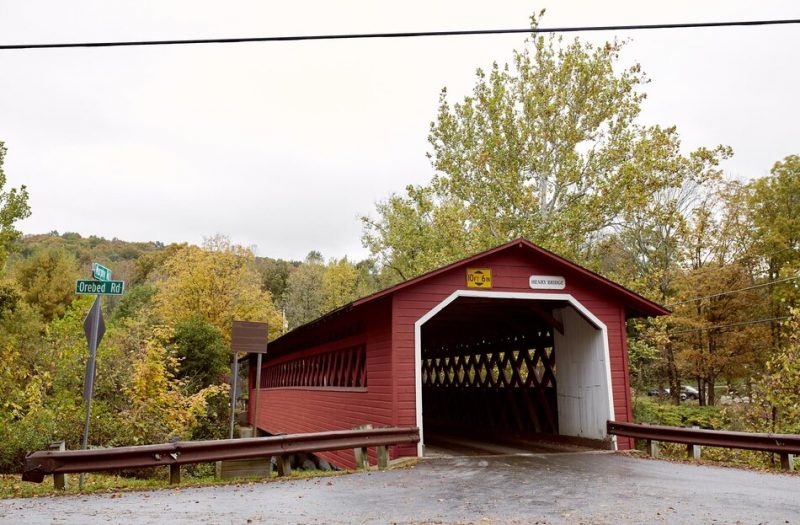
[[547, 282]]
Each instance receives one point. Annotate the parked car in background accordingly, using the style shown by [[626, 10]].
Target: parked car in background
[[687, 392]]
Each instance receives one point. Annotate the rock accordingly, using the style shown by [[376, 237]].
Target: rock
[[324, 465]]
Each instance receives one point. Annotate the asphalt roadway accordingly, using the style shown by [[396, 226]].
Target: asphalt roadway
[[570, 488]]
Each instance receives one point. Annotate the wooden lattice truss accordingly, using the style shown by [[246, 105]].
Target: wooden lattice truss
[[499, 375]]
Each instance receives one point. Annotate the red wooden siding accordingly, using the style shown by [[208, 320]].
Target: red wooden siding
[[314, 409]]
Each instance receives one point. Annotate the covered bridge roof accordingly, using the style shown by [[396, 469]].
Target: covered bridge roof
[[635, 305]]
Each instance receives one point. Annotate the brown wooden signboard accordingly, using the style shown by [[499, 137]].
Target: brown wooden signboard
[[250, 337]]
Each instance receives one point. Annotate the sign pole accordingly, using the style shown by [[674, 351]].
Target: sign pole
[[258, 390], [258, 387], [249, 337], [89, 386], [234, 380], [94, 327]]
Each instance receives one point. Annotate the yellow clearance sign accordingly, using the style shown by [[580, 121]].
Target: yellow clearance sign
[[479, 278]]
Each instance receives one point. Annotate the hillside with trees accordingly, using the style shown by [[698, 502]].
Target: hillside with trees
[[163, 366]]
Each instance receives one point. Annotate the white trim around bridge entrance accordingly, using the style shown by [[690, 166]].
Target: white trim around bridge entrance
[[530, 296]]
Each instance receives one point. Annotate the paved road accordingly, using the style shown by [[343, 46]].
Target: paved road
[[551, 488]]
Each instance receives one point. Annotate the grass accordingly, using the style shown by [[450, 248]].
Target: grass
[[12, 486], [649, 410]]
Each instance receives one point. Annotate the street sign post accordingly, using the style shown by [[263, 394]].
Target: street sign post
[[249, 337], [94, 327], [87, 287], [100, 272]]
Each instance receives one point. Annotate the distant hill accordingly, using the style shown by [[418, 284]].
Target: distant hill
[[122, 256], [117, 254], [88, 249]]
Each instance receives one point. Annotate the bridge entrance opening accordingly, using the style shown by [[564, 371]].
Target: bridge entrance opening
[[500, 375]]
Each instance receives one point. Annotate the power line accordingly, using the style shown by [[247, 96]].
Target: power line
[[731, 325], [728, 292], [414, 34]]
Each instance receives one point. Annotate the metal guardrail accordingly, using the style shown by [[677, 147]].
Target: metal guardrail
[[38, 464], [786, 445]]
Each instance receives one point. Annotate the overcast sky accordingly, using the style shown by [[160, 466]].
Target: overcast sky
[[284, 145]]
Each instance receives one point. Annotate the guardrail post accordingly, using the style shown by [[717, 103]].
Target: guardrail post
[[59, 480], [652, 448], [693, 451], [362, 459], [174, 474], [284, 466], [787, 462], [383, 456]]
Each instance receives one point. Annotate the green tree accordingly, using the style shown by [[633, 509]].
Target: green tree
[[707, 347], [217, 282], [694, 243], [344, 282], [9, 298], [47, 281], [33, 408], [275, 277], [547, 148], [158, 408], [305, 299], [713, 246], [651, 239], [21, 356], [775, 221], [777, 393], [135, 300], [13, 207], [775, 214], [202, 353]]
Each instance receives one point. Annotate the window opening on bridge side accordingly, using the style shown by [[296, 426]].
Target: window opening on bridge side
[[342, 368]]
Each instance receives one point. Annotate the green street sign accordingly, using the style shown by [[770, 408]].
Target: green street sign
[[100, 272], [85, 287]]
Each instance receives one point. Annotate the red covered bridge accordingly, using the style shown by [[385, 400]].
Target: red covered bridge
[[514, 341]]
